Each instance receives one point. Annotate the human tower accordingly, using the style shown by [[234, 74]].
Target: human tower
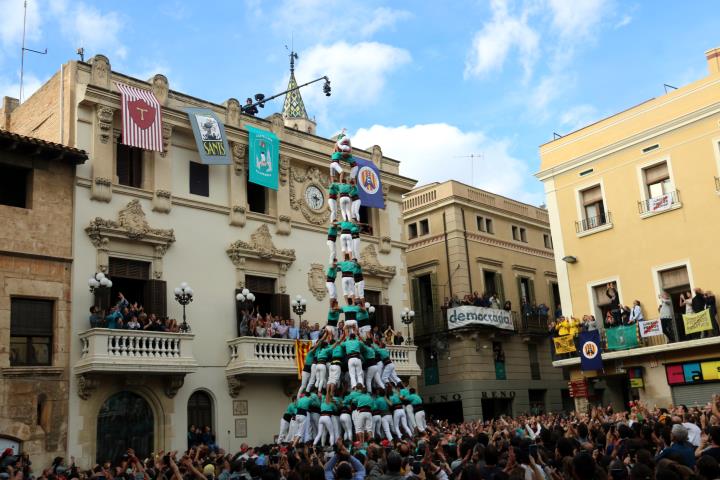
[[349, 386]]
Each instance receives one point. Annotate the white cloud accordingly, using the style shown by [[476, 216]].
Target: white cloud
[[573, 18], [11, 26], [11, 88], [357, 72], [625, 20], [88, 27], [578, 116], [433, 152], [498, 38], [383, 18]]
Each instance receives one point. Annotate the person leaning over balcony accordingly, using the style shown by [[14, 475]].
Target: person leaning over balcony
[[96, 317], [636, 314], [114, 318], [293, 332]]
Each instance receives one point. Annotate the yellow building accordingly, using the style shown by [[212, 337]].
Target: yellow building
[[463, 240], [633, 200]]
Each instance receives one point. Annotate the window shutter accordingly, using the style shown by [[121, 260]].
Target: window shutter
[[156, 298], [531, 293], [29, 317], [499, 287], [280, 305], [123, 267], [383, 316], [592, 195], [199, 179], [417, 301], [656, 173], [677, 277], [520, 291]]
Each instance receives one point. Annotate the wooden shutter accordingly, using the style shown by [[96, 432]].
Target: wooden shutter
[[656, 173], [384, 316], [499, 287], [416, 300], [29, 317], [156, 297], [199, 179], [592, 195], [531, 290], [122, 267], [677, 277], [280, 305], [520, 291]]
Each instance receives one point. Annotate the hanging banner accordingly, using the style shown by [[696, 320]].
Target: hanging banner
[[564, 344], [467, 315], [141, 118], [697, 322], [590, 352], [264, 155], [210, 136], [622, 338], [368, 184], [302, 347], [650, 328], [658, 204]]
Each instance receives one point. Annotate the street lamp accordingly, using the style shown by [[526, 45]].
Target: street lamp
[[261, 99], [408, 317], [184, 295], [245, 296], [99, 280], [299, 306]]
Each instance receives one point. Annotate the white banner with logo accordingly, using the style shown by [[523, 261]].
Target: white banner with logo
[[650, 328], [658, 204], [467, 315]]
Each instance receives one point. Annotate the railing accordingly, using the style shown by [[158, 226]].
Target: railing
[[111, 350], [276, 356], [659, 204], [591, 223], [533, 324]]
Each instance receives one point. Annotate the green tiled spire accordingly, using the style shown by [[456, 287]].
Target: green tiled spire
[[294, 106]]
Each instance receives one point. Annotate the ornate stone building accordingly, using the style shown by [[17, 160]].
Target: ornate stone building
[[151, 221], [36, 208]]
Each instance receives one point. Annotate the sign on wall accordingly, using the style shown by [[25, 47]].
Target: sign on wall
[[467, 315], [209, 136], [687, 373]]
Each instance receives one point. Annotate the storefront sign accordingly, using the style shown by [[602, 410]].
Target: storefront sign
[[498, 394], [445, 398], [467, 315], [578, 388], [701, 371]]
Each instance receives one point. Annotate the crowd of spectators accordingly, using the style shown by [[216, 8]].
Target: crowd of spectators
[[130, 316], [640, 443], [486, 300]]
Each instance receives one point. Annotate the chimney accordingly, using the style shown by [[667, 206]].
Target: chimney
[[713, 59], [8, 105]]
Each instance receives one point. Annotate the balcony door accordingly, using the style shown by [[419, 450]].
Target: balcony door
[[676, 282], [266, 300], [125, 420], [200, 410]]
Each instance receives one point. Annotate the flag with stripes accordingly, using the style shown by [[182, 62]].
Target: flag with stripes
[[141, 118], [302, 347]]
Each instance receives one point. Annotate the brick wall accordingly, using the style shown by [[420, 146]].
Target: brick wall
[[39, 115]]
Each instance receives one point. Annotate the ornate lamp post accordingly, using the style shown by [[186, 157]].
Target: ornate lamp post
[[408, 317], [246, 296], [184, 295], [99, 280], [299, 306]]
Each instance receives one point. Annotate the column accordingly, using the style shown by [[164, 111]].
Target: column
[[103, 154], [238, 185]]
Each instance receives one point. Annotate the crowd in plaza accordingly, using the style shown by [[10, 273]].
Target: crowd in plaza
[[639, 443]]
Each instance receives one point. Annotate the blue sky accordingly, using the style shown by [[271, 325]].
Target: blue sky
[[430, 82]]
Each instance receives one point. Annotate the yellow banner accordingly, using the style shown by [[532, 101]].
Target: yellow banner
[[697, 322], [564, 344]]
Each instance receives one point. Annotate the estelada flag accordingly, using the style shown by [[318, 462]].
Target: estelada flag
[[141, 118], [302, 347], [564, 344]]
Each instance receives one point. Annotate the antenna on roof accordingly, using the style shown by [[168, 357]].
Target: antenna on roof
[[22, 53], [556, 136], [293, 55], [472, 158], [669, 86]]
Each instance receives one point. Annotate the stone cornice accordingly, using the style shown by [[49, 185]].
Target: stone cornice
[[430, 207], [416, 244], [474, 237]]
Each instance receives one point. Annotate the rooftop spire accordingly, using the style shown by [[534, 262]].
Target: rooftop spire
[[293, 107]]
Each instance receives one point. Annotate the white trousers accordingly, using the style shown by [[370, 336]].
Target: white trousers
[[335, 167], [325, 427], [336, 425], [347, 426], [353, 171], [355, 419], [305, 379], [300, 421], [311, 426], [332, 291], [292, 431], [332, 203], [410, 416], [320, 376], [346, 208], [389, 375], [313, 377], [377, 425], [346, 243], [333, 251], [400, 422], [334, 376], [356, 371], [356, 247], [360, 289], [420, 420], [387, 426], [372, 374], [355, 209], [284, 429], [378, 375], [364, 422], [364, 331], [350, 324], [348, 286]]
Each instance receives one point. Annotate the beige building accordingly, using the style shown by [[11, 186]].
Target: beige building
[[36, 208], [152, 220], [633, 200], [463, 240]]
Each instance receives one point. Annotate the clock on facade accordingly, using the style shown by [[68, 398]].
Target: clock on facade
[[314, 197]]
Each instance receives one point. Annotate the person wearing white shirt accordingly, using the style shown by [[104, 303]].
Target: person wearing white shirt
[[636, 312], [694, 432]]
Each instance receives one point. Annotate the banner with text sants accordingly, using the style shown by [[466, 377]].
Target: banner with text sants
[[467, 315], [210, 136]]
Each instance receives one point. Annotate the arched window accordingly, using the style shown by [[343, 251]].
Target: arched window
[[200, 410], [125, 421]]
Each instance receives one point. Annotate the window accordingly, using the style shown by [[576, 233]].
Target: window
[[424, 227], [367, 219], [499, 358], [199, 179], [257, 197], [15, 186], [547, 240], [515, 233], [485, 224], [480, 224], [489, 225], [523, 235], [432, 372], [129, 165], [200, 410], [31, 331], [593, 207], [412, 231], [657, 180], [534, 363], [519, 234], [526, 290]]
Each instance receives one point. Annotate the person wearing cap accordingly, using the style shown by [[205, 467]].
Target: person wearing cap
[[680, 448]]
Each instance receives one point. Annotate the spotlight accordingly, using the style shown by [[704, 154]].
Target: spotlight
[[326, 87], [259, 97]]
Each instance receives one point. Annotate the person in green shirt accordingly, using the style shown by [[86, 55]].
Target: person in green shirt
[[322, 357], [332, 200], [383, 408], [409, 412], [399, 418], [346, 414], [332, 242], [285, 422], [355, 235], [344, 189], [330, 276], [350, 312], [325, 426], [333, 318], [417, 404], [335, 370], [355, 200], [347, 272], [301, 416], [309, 373], [335, 165], [346, 240], [359, 284], [363, 424], [353, 351]]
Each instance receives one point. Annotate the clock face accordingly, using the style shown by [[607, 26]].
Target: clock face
[[314, 197]]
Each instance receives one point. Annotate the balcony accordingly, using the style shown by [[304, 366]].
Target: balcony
[[104, 350], [663, 203], [590, 225], [276, 356]]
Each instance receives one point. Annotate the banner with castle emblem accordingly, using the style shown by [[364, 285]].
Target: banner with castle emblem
[[210, 136], [263, 162], [368, 184]]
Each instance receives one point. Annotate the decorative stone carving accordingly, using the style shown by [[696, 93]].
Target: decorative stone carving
[[277, 125], [232, 112], [102, 181], [284, 168], [316, 281], [85, 385], [235, 385], [377, 156], [161, 88], [283, 226], [260, 246], [385, 244], [163, 194], [173, 383], [104, 122], [239, 153], [130, 225], [238, 215], [372, 266], [301, 181], [162, 201], [100, 71], [166, 135]]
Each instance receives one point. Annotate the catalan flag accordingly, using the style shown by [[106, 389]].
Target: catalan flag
[[302, 347]]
